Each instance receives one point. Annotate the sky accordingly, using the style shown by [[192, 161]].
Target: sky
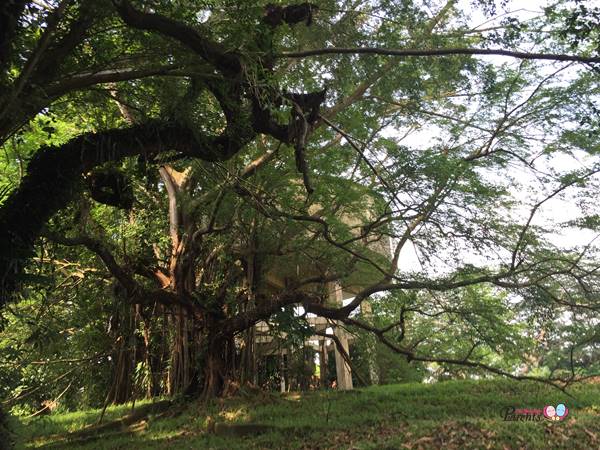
[[554, 211]]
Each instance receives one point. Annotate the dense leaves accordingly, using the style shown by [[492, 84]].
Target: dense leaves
[[174, 173]]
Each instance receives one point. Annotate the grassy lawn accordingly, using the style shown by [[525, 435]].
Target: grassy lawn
[[449, 415]]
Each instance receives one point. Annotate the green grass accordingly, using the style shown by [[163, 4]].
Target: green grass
[[450, 415]]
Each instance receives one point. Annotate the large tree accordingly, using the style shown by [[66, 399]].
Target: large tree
[[274, 124]]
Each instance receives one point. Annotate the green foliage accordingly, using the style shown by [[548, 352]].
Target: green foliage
[[392, 369], [456, 158]]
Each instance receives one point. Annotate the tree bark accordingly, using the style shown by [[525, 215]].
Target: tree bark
[[216, 365]]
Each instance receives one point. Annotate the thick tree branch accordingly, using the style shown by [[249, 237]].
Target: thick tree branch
[[135, 291], [264, 309], [27, 95], [94, 245], [505, 279], [83, 80], [54, 174], [28, 69], [28, 106], [437, 52], [196, 39]]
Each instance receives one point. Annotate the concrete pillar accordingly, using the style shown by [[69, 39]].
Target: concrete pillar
[[282, 386], [323, 360], [343, 371], [367, 313]]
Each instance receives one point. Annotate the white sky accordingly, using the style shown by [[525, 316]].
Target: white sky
[[555, 210]]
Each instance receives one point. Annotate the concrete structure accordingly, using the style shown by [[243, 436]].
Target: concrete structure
[[265, 344], [342, 368]]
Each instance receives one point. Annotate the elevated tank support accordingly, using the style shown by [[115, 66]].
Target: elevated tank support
[[343, 370]]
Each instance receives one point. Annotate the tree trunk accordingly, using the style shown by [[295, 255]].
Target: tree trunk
[[216, 374], [181, 370]]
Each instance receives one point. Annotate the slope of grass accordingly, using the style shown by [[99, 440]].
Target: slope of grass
[[450, 415]]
